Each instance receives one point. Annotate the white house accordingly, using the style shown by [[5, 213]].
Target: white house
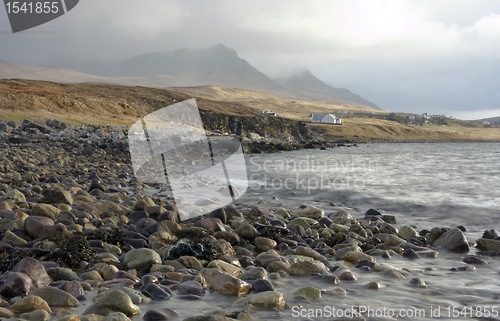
[[268, 112], [326, 118]]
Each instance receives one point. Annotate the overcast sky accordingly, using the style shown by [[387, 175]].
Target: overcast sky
[[436, 56]]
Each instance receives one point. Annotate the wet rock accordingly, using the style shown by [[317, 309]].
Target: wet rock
[[354, 257], [113, 301], [191, 287], [37, 315], [247, 231], [308, 293], [463, 268], [56, 297], [220, 214], [62, 274], [490, 234], [307, 268], [474, 260], [265, 259], [262, 285], [5, 313], [34, 269], [393, 274], [407, 232], [226, 267], [72, 287], [116, 316], [418, 282], [57, 196], [29, 304], [43, 227], [190, 262], [156, 292], [227, 284], [160, 314], [211, 224], [373, 285], [411, 254], [125, 282], [14, 284], [267, 300], [485, 244], [254, 273], [141, 258], [453, 240], [264, 244]]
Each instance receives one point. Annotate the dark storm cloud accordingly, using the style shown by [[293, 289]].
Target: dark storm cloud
[[413, 56]]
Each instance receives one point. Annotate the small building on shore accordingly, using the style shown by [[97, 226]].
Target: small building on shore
[[326, 119], [268, 112]]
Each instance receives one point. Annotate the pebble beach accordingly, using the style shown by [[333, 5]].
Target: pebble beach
[[83, 239]]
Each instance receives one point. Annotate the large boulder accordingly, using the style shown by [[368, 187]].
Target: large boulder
[[56, 297], [453, 240]]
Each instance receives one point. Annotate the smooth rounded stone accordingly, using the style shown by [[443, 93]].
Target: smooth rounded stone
[[262, 285], [309, 293], [298, 258], [93, 275], [307, 251], [339, 228], [265, 259], [45, 210], [254, 273], [56, 297], [125, 275], [373, 285], [229, 236], [485, 244], [162, 268], [72, 287], [116, 316], [310, 212], [347, 276], [14, 195], [227, 284], [225, 267], [490, 234], [307, 268], [411, 254], [463, 268], [303, 222], [393, 274], [366, 263], [190, 262], [418, 282], [43, 227], [6, 313], [390, 239], [247, 231], [141, 258], [108, 271], [341, 252], [278, 266], [353, 257], [34, 269], [335, 292], [37, 315], [327, 279], [191, 287], [474, 260], [219, 213], [125, 282], [114, 300], [160, 314], [407, 232], [30, 303], [264, 244], [189, 297], [14, 284], [156, 292], [453, 240], [267, 300]]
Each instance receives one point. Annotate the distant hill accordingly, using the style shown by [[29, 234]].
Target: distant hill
[[305, 81], [216, 66], [490, 120]]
